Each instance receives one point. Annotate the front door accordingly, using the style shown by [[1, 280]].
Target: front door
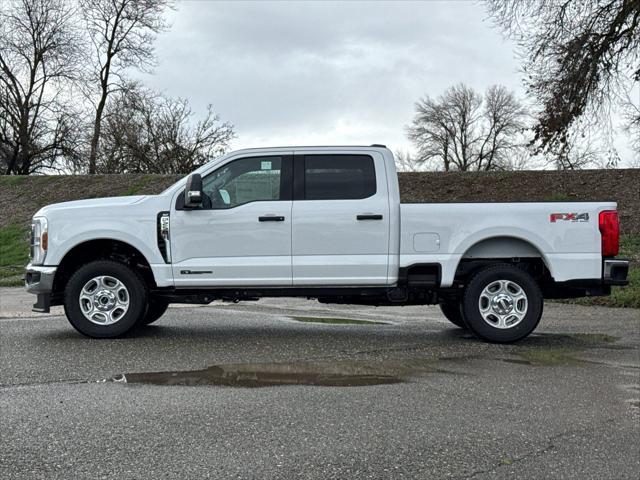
[[242, 234], [340, 220]]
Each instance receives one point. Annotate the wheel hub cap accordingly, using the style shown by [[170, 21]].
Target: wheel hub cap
[[104, 300], [503, 304]]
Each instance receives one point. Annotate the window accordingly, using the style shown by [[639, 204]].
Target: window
[[242, 181], [339, 177]]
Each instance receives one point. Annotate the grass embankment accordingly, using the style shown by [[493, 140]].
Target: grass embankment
[[22, 196], [14, 254]]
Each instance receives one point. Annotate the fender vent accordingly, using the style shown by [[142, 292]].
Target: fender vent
[[162, 230]]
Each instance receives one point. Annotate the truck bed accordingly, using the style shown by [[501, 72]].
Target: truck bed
[[564, 234]]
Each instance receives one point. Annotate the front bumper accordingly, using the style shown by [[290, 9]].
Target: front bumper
[[39, 281]]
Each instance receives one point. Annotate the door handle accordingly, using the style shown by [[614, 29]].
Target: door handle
[[271, 218], [369, 216]]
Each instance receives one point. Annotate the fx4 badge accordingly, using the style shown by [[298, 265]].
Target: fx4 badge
[[569, 217]]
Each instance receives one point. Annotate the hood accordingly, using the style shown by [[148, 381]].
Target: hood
[[104, 202]]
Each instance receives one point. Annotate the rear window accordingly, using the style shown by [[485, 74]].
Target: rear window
[[339, 177]]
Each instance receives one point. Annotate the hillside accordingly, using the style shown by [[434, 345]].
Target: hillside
[[21, 197]]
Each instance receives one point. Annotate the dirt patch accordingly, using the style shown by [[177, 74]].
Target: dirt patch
[[622, 186], [21, 197]]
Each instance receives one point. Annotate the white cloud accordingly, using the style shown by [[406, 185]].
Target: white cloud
[[325, 72]]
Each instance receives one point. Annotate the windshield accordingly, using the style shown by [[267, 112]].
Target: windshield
[[200, 170]]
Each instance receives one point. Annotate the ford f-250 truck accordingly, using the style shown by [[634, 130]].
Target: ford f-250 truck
[[317, 222]]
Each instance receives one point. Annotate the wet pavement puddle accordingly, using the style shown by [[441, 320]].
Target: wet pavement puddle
[[547, 350], [322, 373], [337, 321]]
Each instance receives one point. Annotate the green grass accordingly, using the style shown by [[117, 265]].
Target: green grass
[[574, 343], [12, 180], [137, 186], [12, 281], [337, 321], [550, 356], [592, 338], [630, 248], [14, 254]]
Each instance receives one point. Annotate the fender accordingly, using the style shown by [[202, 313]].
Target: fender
[[64, 245], [526, 236]]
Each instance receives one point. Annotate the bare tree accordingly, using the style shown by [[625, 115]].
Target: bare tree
[[631, 113], [145, 132], [580, 56], [584, 149], [407, 162], [464, 130], [37, 56], [122, 34]]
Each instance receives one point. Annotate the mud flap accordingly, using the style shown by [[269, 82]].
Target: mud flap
[[43, 303]]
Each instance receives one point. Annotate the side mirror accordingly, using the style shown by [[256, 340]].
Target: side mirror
[[193, 191]]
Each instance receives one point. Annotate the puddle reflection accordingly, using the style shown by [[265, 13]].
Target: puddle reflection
[[253, 375]]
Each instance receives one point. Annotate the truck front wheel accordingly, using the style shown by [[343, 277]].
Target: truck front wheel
[[105, 299], [502, 304]]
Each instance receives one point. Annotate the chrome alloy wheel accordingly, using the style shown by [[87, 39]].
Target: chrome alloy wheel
[[104, 300], [503, 304]]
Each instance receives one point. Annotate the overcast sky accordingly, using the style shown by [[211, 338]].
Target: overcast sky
[[307, 73]]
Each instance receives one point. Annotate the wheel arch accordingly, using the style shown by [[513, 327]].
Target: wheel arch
[[101, 249], [502, 247]]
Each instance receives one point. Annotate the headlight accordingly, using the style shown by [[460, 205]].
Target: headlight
[[39, 240]]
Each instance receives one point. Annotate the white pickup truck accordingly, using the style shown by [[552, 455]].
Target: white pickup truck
[[317, 222]]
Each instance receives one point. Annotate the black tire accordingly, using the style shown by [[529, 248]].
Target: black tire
[[156, 309], [453, 312], [524, 322], [136, 295]]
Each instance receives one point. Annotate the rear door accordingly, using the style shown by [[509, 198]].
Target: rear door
[[340, 220], [242, 236]]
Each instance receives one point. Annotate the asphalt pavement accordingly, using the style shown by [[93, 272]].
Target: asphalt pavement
[[286, 389]]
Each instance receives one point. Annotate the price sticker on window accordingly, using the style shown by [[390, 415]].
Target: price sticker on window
[[265, 165]]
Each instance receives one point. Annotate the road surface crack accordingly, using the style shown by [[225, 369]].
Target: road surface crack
[[548, 447]]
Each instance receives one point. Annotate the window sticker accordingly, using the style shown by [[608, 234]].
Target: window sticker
[[265, 165]]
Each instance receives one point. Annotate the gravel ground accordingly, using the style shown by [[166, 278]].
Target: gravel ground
[[434, 402]]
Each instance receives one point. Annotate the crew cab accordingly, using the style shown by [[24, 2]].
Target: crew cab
[[323, 223]]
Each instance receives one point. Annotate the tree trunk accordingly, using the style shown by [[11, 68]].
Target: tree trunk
[[446, 157], [13, 161], [95, 138], [23, 161]]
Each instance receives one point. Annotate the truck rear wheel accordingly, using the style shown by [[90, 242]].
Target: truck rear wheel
[[105, 299], [502, 304], [453, 312]]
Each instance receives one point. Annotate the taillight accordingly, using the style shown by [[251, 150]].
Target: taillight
[[610, 232]]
